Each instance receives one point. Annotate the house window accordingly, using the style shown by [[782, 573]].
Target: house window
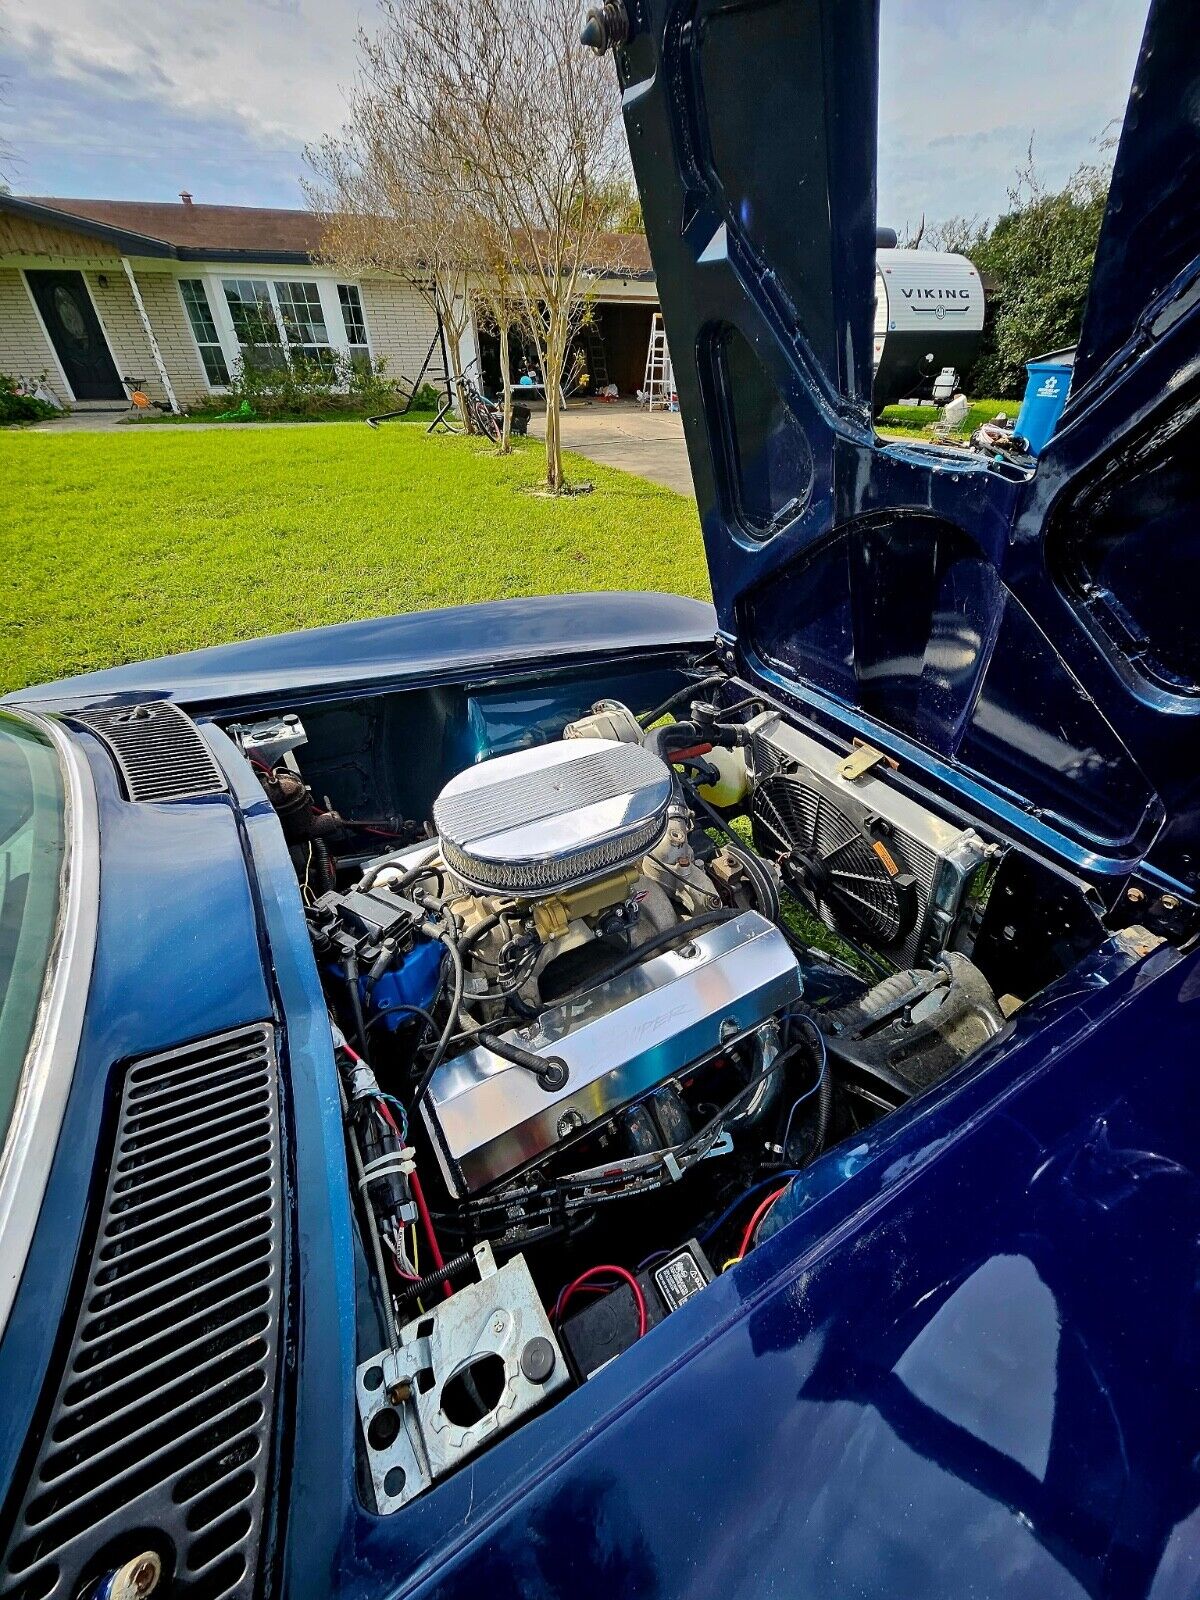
[[253, 316], [304, 322], [355, 324], [352, 314], [204, 330]]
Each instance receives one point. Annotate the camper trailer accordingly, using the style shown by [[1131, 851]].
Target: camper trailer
[[928, 317]]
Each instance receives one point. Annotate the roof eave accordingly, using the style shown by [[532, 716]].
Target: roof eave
[[136, 244], [143, 244], [285, 258]]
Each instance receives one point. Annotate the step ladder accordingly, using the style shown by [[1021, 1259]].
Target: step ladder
[[659, 386], [597, 357]]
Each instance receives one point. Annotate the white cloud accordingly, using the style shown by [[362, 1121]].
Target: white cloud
[[274, 66], [963, 87], [143, 97]]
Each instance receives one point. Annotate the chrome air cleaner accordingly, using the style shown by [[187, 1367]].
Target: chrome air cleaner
[[541, 820]]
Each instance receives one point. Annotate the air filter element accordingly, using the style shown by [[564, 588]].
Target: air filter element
[[541, 820]]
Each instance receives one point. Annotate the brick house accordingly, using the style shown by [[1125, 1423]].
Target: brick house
[[99, 294]]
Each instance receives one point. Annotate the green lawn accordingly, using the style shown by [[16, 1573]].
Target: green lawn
[[914, 422], [124, 545]]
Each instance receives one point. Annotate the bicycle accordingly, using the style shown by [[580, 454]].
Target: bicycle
[[484, 413]]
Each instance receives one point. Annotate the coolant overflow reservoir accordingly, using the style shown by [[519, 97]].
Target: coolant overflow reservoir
[[734, 781]]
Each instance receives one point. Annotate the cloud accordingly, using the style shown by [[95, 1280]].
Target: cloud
[[141, 98], [79, 138], [275, 65], [962, 90]]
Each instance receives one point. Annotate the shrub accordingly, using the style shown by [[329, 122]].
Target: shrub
[[17, 406], [1037, 261], [370, 386], [305, 386]]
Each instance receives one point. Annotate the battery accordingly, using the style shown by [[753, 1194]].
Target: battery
[[597, 1332]]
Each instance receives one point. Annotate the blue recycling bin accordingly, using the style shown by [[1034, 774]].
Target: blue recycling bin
[[1046, 392]]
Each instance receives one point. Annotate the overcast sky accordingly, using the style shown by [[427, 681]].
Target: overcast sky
[[138, 99]]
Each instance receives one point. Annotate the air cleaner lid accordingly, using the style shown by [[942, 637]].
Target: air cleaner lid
[[541, 820]]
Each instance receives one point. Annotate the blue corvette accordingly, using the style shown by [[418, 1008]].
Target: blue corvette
[[597, 1096]]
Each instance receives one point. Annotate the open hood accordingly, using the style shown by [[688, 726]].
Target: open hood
[[1031, 637]]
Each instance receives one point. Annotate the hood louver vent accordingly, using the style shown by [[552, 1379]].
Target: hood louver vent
[[160, 1431], [159, 749]]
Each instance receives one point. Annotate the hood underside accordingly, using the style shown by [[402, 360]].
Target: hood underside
[[1033, 631]]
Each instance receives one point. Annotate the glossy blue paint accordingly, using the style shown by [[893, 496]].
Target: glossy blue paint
[[927, 590], [899, 1391], [316, 1510], [962, 1361], [178, 956], [398, 652], [965, 1367], [202, 929]]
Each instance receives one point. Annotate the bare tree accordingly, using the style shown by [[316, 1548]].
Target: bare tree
[[959, 235], [505, 121], [380, 214], [497, 310]]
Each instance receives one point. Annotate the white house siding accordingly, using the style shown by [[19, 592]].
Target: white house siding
[[400, 326], [25, 351], [127, 339], [400, 323]]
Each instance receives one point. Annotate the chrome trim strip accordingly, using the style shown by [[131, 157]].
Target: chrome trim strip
[[50, 1061]]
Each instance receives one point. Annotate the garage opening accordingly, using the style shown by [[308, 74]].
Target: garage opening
[[616, 346], [611, 348]]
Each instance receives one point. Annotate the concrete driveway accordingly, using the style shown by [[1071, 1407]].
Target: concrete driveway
[[649, 443]]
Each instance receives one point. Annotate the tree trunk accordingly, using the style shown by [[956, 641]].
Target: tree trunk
[[552, 377], [454, 352], [506, 382]]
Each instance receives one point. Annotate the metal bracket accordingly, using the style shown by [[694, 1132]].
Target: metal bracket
[[271, 740], [722, 1145], [463, 1372], [864, 758]]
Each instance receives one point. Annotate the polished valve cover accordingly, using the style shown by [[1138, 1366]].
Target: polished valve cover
[[487, 1117]]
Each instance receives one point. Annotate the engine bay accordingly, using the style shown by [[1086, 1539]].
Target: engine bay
[[601, 999]]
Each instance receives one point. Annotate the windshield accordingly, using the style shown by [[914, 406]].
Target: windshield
[[32, 842]]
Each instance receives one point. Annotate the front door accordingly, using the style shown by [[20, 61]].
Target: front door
[[76, 335]]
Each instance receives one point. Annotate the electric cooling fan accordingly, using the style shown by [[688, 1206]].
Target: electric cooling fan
[[871, 859], [838, 862]]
